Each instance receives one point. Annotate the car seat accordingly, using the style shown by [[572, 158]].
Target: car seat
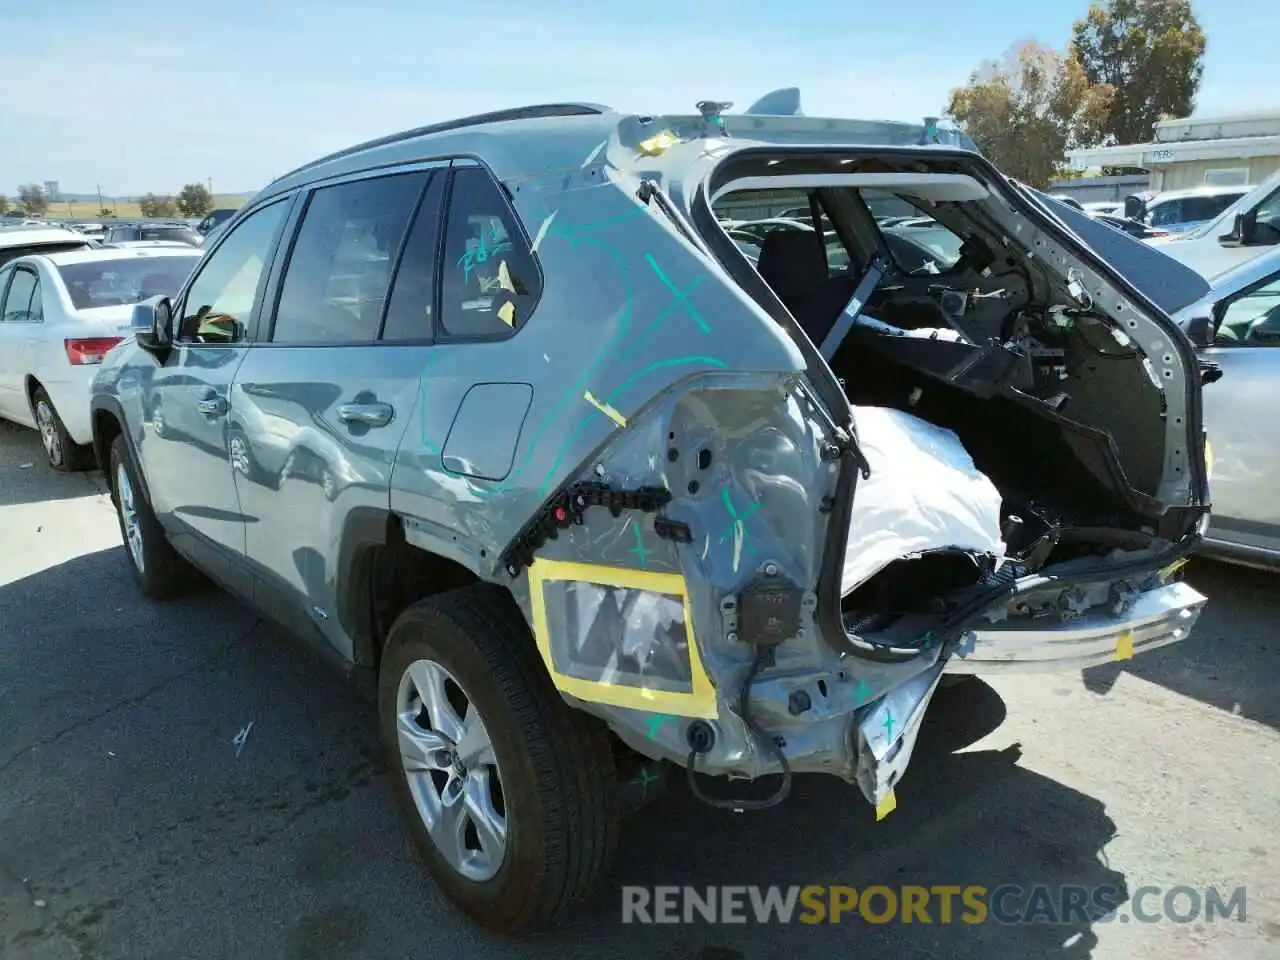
[[794, 264]]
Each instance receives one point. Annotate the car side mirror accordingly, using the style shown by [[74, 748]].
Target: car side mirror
[[153, 325], [1200, 330], [1244, 232]]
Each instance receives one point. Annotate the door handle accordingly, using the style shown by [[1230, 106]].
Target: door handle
[[368, 414], [212, 406]]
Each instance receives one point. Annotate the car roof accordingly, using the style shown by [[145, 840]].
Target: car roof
[[102, 254], [1239, 277], [34, 236], [1197, 192], [529, 141]]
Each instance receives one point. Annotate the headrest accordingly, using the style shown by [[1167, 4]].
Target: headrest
[[793, 263]]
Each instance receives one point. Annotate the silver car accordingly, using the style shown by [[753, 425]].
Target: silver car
[[1238, 321], [497, 413]]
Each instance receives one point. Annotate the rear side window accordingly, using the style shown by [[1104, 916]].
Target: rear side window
[[335, 285], [109, 283], [490, 281], [24, 291], [411, 306]]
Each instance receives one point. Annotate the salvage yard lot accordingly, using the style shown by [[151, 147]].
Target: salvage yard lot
[[131, 827]]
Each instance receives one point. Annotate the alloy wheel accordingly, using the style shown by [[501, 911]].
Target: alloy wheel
[[47, 421], [129, 517], [452, 770]]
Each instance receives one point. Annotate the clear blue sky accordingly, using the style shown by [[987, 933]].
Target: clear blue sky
[[142, 95]]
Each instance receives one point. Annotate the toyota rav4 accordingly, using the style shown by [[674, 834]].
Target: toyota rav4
[[496, 412]]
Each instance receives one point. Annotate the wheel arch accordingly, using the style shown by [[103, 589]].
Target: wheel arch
[[107, 420], [380, 573]]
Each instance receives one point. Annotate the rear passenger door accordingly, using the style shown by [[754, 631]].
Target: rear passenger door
[[321, 401]]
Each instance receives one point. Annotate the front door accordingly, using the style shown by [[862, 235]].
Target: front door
[[1240, 417], [319, 406], [186, 400], [19, 315]]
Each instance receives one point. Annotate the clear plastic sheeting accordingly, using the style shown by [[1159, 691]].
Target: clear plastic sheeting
[[619, 636], [924, 494], [616, 636]]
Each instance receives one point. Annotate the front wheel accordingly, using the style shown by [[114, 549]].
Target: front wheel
[[509, 794], [159, 571]]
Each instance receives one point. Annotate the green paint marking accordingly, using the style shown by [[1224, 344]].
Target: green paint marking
[[639, 549], [646, 777], [669, 362], [888, 724], [657, 721], [681, 295], [862, 694], [738, 518]]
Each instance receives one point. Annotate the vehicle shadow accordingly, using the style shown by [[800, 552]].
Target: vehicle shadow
[[963, 819], [27, 478], [1232, 658], [182, 774]]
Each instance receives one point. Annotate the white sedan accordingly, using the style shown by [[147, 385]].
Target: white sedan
[[59, 315]]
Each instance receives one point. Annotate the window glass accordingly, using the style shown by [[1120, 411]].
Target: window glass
[[412, 299], [490, 282], [336, 282], [1165, 213], [17, 305], [109, 283], [176, 234], [221, 297], [1268, 219], [1254, 319]]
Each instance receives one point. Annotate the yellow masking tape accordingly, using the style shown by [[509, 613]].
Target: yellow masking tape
[[657, 144], [1208, 460], [1124, 646], [507, 314], [504, 278], [887, 805], [699, 702], [606, 409]]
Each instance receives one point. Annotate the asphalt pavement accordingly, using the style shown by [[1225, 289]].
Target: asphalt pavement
[[182, 780]]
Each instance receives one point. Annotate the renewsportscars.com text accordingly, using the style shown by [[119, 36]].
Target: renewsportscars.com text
[[938, 904]]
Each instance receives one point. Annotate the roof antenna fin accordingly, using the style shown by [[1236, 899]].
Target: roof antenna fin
[[778, 103]]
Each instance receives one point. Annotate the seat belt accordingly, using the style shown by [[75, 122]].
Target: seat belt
[[849, 315]]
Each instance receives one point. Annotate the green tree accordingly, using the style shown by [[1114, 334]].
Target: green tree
[[4, 203], [1025, 111], [154, 206], [32, 199], [1151, 52], [194, 200]]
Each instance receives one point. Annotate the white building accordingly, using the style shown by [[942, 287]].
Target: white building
[[1198, 151]]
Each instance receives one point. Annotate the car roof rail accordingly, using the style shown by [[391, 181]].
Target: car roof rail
[[534, 112]]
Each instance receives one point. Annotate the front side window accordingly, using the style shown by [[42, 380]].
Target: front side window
[[490, 282], [173, 234], [1268, 219], [220, 300], [24, 289], [1253, 318], [336, 282]]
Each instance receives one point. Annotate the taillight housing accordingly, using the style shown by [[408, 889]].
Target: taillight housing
[[89, 350]]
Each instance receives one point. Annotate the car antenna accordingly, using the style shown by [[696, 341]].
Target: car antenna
[[712, 119]]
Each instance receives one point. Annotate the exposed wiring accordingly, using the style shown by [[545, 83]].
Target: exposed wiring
[[739, 805], [1098, 351]]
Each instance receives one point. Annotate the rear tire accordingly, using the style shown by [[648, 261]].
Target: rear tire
[[62, 452], [158, 570], [554, 765]]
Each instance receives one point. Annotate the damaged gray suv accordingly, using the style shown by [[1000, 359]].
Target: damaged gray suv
[[497, 413]]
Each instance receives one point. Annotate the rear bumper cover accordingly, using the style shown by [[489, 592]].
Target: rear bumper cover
[[1158, 617]]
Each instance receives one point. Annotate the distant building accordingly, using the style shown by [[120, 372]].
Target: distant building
[[51, 190], [1197, 151]]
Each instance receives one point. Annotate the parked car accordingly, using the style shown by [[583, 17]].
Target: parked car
[[214, 219], [1104, 208], [1239, 320], [1135, 228], [149, 231], [1248, 228], [595, 518], [1181, 210], [22, 240], [60, 312]]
